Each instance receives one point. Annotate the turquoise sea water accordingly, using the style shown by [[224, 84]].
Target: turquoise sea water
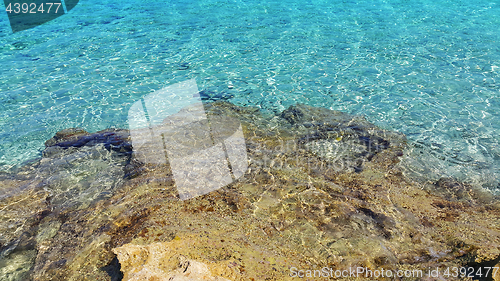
[[429, 69]]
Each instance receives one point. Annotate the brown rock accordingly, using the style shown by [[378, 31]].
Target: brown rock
[[163, 262], [65, 135]]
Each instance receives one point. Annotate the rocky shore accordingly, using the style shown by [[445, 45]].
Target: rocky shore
[[322, 189]]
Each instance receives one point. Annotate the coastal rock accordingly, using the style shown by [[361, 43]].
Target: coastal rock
[[161, 261], [291, 208], [66, 135], [112, 139], [79, 167], [455, 190], [344, 141], [22, 207]]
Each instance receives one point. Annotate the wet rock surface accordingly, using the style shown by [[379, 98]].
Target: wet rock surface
[[344, 140], [77, 169], [112, 139], [166, 261], [323, 189]]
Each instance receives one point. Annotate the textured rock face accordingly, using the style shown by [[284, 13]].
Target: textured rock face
[[66, 135], [296, 206], [76, 170], [79, 168], [344, 141], [163, 261]]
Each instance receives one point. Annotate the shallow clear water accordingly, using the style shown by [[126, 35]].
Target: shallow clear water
[[429, 69]]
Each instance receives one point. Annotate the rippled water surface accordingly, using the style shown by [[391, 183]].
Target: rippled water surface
[[429, 69]]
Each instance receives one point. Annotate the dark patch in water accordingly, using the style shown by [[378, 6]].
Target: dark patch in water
[[381, 221], [211, 96], [358, 141], [58, 264], [133, 169], [292, 115], [452, 189], [183, 66], [113, 269], [19, 45], [116, 140], [374, 144]]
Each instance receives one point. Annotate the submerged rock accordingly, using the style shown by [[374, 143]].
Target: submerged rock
[[112, 139], [77, 169], [344, 141], [295, 206], [66, 135], [214, 95]]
